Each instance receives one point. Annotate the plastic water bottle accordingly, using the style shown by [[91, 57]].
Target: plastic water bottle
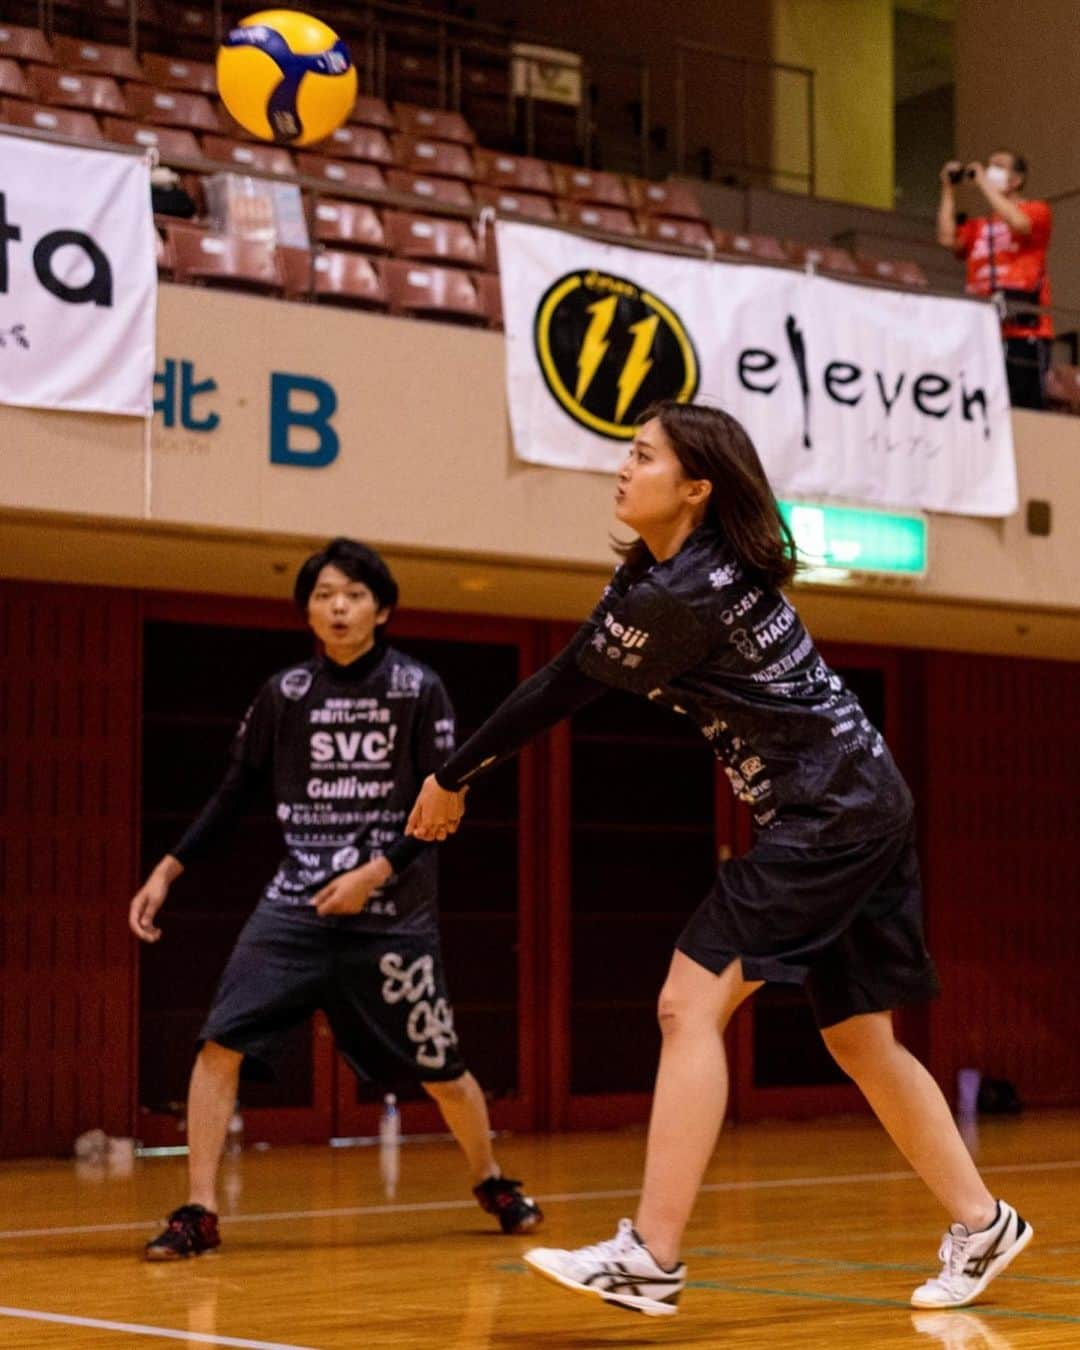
[[390, 1122], [234, 1138], [389, 1145]]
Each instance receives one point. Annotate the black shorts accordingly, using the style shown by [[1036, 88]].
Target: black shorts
[[845, 921], [384, 997]]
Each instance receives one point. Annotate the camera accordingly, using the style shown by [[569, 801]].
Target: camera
[[958, 175]]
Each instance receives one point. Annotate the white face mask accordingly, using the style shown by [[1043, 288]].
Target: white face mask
[[997, 177]]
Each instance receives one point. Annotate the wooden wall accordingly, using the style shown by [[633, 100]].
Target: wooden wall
[[69, 676], [1001, 829], [992, 746]]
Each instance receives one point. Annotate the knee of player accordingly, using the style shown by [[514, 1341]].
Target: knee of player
[[675, 1012], [860, 1043], [454, 1090]]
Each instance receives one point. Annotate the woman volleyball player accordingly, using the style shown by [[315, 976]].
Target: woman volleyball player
[[829, 895]]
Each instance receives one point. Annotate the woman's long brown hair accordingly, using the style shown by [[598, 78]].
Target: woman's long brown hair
[[709, 443]]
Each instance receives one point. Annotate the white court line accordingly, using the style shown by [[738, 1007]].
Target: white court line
[[138, 1329], [428, 1206]]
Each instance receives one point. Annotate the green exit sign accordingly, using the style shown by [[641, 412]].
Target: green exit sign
[[835, 539]]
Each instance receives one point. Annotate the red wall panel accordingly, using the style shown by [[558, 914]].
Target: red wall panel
[[68, 761], [1001, 826]]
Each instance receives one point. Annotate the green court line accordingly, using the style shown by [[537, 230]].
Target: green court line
[[726, 1287], [1014, 1314], [827, 1263]]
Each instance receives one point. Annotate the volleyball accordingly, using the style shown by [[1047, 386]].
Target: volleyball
[[286, 77]]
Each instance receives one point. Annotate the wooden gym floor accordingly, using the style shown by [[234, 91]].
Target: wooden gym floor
[[807, 1236]]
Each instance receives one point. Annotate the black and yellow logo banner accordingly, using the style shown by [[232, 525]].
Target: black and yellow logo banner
[[608, 348]]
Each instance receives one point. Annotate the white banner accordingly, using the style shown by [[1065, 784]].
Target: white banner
[[78, 278], [849, 392]]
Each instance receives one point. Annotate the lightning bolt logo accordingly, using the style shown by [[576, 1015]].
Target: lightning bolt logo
[[595, 346], [638, 363]]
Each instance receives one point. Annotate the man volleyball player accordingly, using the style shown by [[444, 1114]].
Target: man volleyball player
[[348, 923]]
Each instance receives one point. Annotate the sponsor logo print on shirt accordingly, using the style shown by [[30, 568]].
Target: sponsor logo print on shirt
[[627, 635], [296, 683], [345, 858], [406, 681]]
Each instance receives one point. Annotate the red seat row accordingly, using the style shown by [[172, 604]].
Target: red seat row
[[395, 285]]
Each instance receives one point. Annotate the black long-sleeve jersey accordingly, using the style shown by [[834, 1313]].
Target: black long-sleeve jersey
[[345, 749], [696, 634]]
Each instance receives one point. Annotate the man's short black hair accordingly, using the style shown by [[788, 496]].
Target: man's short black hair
[[358, 562]]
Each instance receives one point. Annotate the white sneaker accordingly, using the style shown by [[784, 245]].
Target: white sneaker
[[973, 1259], [621, 1271]]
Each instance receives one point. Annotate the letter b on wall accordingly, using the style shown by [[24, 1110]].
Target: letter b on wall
[[285, 415]]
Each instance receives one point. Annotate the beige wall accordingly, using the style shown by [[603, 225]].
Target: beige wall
[[849, 45], [1017, 73], [425, 470]]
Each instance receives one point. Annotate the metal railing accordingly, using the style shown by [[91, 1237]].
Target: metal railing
[[377, 28]]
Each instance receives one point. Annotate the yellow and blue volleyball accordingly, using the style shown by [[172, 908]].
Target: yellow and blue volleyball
[[286, 77]]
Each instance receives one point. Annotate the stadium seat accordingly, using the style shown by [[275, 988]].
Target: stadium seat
[[899, 272], [688, 233], [173, 108], [608, 219], [1062, 387], [489, 289], [25, 44], [332, 276], [527, 205], [247, 155], [166, 257], [413, 76], [584, 185], [372, 112], [676, 200], [368, 144], [431, 239], [449, 191], [12, 81], [225, 259], [190, 29], [822, 257], [439, 292], [63, 121], [515, 172], [97, 58], [738, 244], [421, 155], [353, 223], [109, 21], [433, 124], [171, 142], [170, 72], [345, 173], [65, 89]]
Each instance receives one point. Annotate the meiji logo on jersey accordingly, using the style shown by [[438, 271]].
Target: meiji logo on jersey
[[627, 635], [295, 683], [406, 681], [346, 747]]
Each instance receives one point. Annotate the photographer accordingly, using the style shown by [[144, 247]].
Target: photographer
[[1005, 252]]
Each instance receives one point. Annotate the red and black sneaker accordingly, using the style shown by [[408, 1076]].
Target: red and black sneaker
[[515, 1211], [191, 1231]]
